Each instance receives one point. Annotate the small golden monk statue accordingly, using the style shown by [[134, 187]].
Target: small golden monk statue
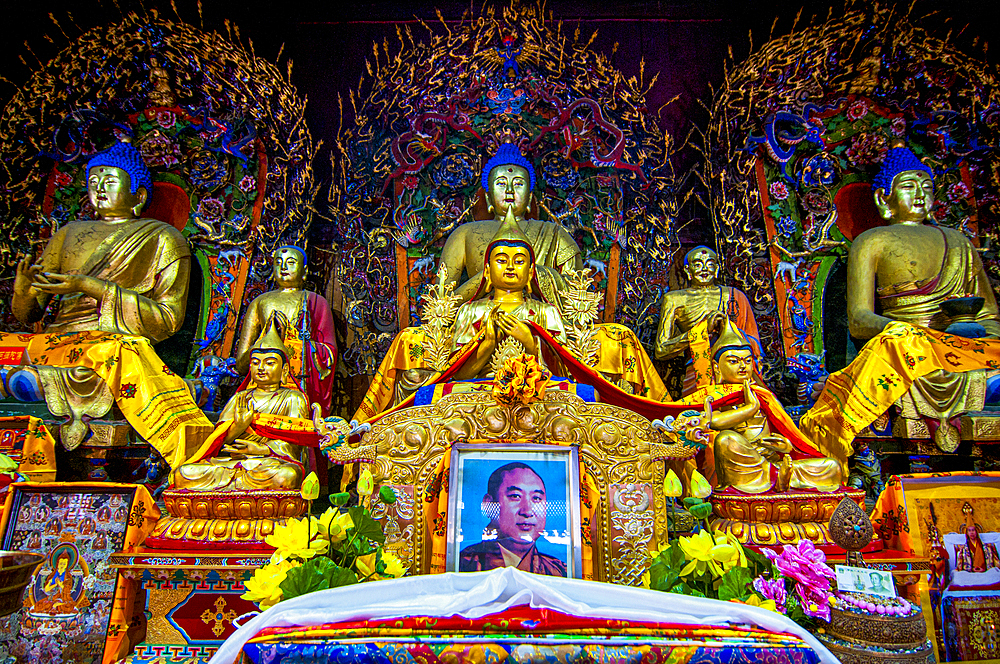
[[749, 456], [122, 283], [915, 270], [306, 325], [249, 461], [509, 180], [703, 299]]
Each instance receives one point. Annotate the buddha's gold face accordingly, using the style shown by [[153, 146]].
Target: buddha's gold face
[[510, 187], [911, 198], [735, 366], [702, 267], [266, 368], [289, 268], [510, 267], [110, 191]]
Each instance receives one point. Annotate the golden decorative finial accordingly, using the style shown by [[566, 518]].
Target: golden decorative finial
[[851, 529]]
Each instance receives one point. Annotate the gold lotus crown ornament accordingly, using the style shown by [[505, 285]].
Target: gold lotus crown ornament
[[731, 338], [510, 231]]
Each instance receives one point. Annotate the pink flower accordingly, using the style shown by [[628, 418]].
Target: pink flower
[[211, 209], [941, 212], [778, 191], [411, 182], [63, 179], [868, 149], [772, 589], [248, 184], [165, 119], [806, 565], [958, 192], [898, 126], [857, 110]]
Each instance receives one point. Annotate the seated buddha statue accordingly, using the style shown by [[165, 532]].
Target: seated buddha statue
[[122, 284], [749, 456], [703, 299], [509, 180], [306, 325], [248, 460], [899, 276]]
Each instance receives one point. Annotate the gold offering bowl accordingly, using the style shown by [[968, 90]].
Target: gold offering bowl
[[16, 568]]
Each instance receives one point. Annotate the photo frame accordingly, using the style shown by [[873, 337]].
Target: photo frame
[[68, 603], [514, 505]]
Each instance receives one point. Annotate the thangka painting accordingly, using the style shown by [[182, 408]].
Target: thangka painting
[[68, 603]]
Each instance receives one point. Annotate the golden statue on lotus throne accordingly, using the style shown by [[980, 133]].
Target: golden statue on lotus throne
[[122, 284], [516, 284]]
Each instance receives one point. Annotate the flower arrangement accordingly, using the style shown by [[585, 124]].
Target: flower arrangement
[[340, 547], [521, 379], [714, 564]]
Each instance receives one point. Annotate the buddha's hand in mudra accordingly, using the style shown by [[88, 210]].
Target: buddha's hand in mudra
[[54, 283], [514, 327], [243, 449], [242, 412], [750, 399]]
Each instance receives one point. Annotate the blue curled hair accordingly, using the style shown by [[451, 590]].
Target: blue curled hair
[[898, 160], [507, 154], [124, 156], [691, 251], [300, 250]]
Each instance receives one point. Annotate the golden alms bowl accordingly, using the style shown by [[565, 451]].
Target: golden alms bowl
[[16, 568]]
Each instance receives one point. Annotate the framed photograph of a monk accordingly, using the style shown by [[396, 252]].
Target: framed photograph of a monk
[[514, 506]]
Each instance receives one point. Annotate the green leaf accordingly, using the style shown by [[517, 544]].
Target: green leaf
[[386, 494], [339, 499], [316, 574], [736, 584], [701, 511], [365, 525], [691, 501]]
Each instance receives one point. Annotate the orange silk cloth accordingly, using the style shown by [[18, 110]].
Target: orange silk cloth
[[155, 401], [881, 373], [620, 353]]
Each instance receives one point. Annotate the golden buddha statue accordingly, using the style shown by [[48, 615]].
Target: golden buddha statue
[[749, 456], [703, 299], [527, 289], [247, 460], [122, 283], [509, 180], [913, 268], [499, 318], [306, 325]]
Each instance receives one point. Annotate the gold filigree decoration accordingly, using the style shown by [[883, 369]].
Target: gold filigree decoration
[[440, 307], [508, 349], [579, 311]]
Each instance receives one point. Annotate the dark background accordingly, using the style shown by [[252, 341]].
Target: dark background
[[687, 43]]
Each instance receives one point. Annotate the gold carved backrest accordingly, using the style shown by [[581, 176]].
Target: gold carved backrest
[[621, 452]]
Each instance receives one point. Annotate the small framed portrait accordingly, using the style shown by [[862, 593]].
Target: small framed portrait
[[514, 506]]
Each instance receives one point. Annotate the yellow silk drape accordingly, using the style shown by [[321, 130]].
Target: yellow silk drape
[[881, 373], [155, 401]]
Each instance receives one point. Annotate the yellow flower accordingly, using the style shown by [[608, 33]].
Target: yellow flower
[[7, 465], [365, 565], [645, 579], [310, 487], [292, 540], [700, 486], [366, 483], [672, 485], [333, 525], [393, 566], [753, 600], [704, 554], [264, 586]]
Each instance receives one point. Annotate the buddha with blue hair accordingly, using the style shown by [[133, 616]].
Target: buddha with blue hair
[[121, 284], [902, 279]]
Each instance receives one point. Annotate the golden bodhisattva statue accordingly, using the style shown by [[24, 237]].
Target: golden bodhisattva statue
[[306, 325], [509, 180], [749, 456], [918, 343], [249, 461], [619, 357], [122, 284], [703, 299]]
